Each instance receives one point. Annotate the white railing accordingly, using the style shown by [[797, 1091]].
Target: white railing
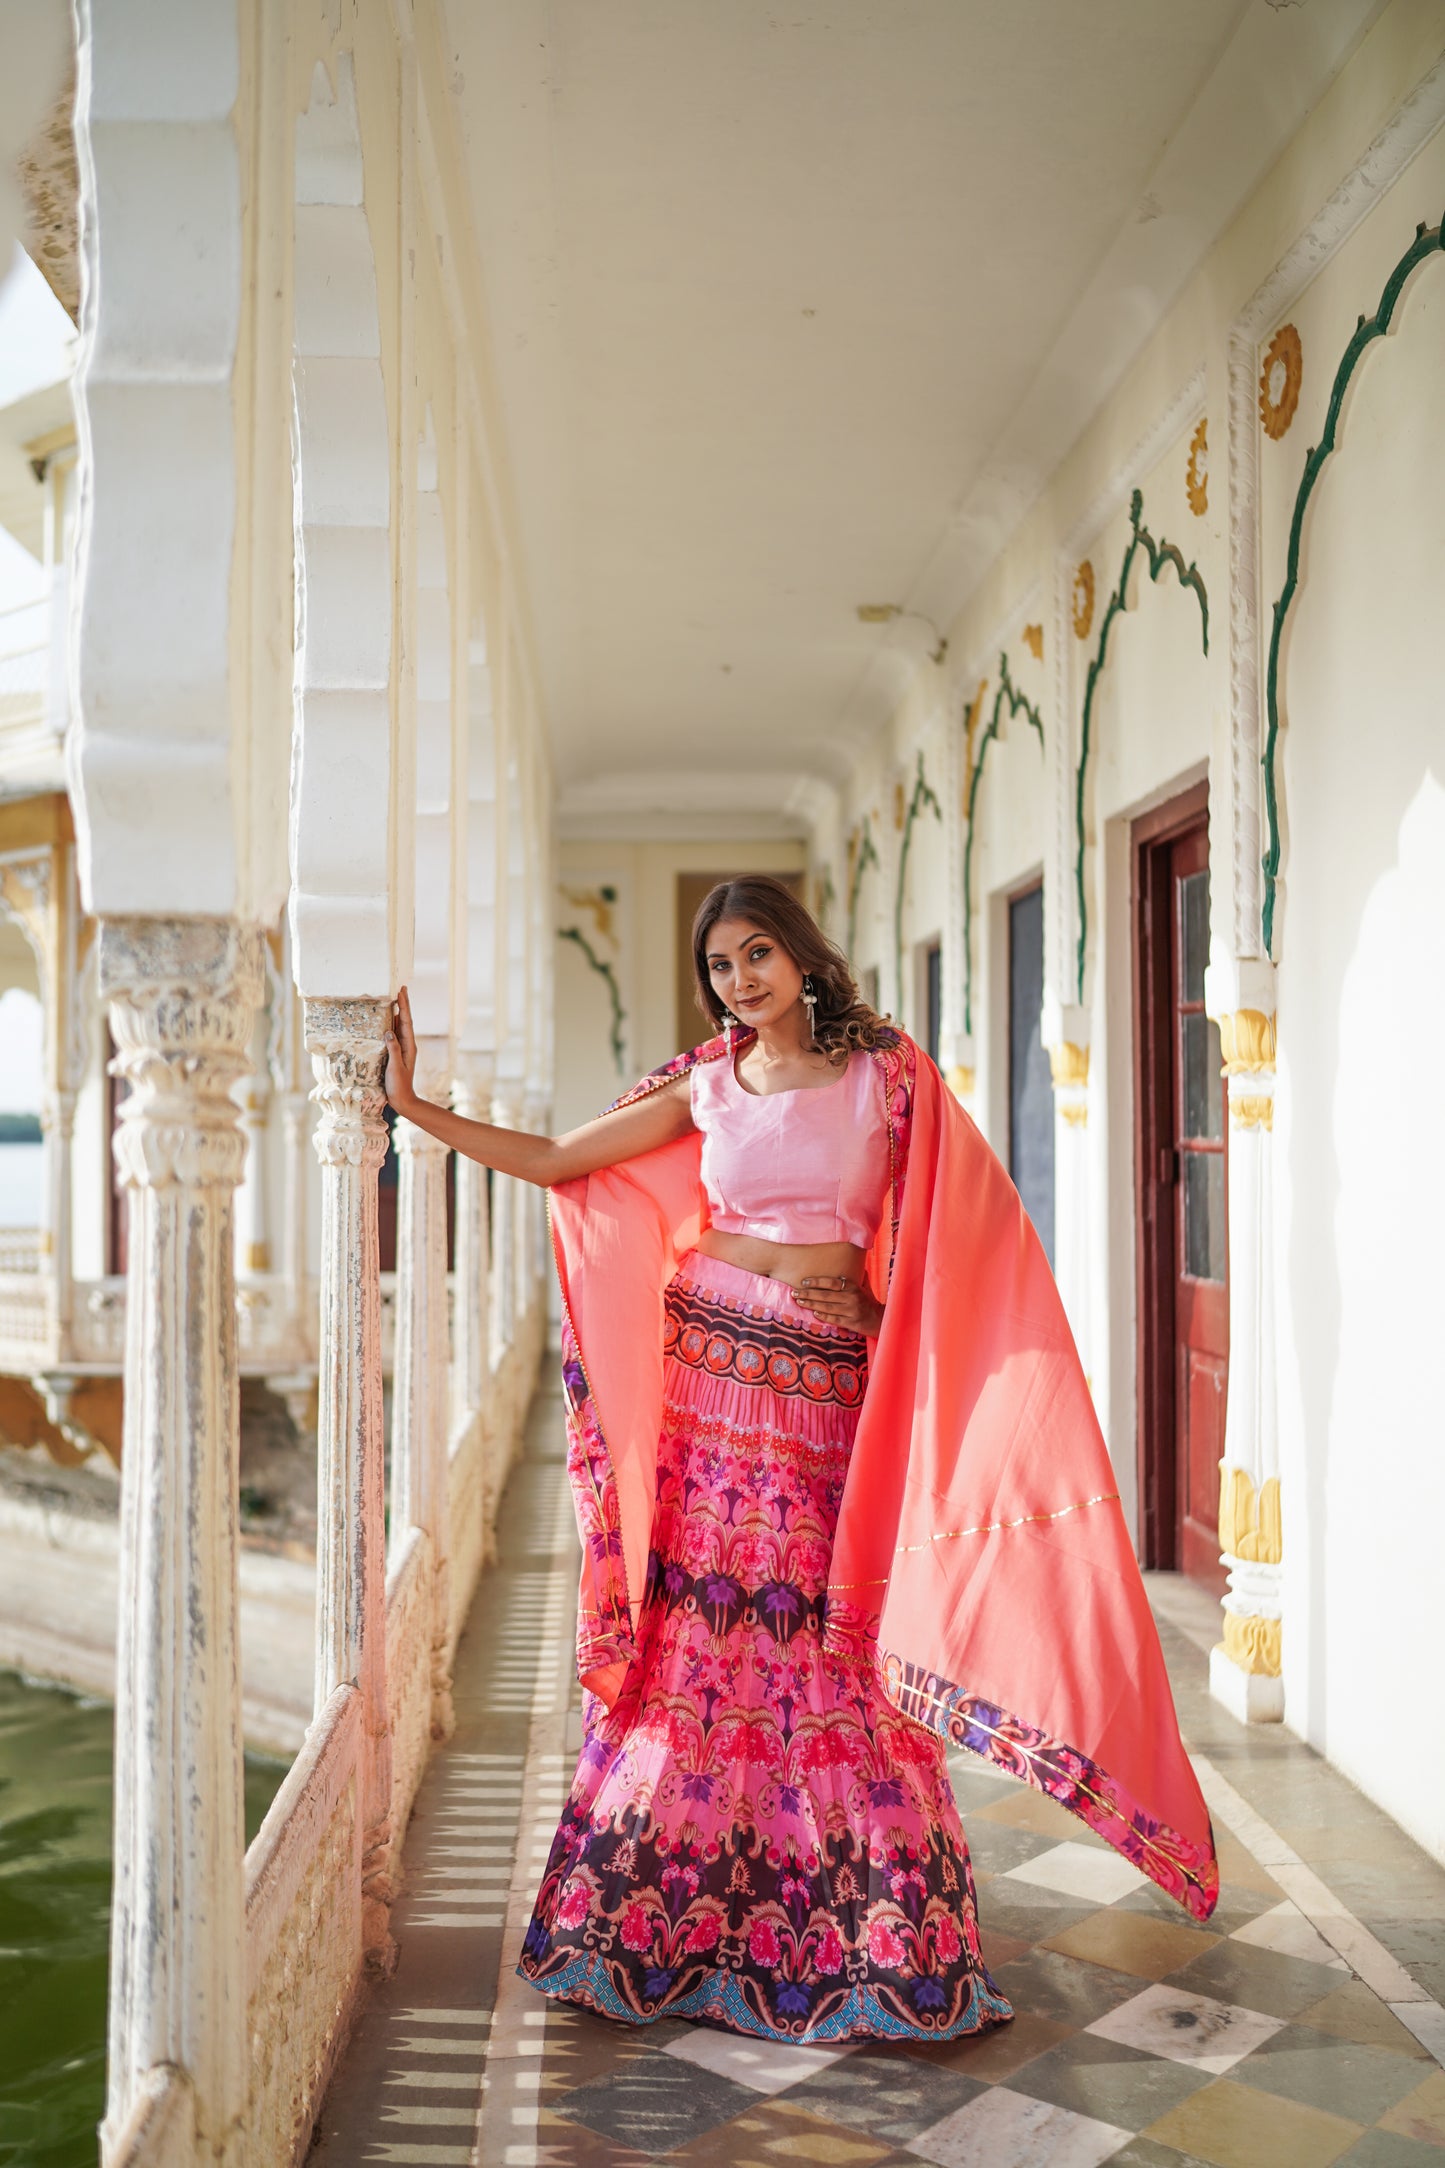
[[21, 1249], [303, 1871], [27, 1321]]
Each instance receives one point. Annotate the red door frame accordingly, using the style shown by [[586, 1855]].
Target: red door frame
[[1157, 1189]]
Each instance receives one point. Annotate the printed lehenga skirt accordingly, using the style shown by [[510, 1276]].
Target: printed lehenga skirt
[[755, 1838]]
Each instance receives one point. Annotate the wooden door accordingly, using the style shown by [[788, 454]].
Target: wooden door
[[1181, 1187]]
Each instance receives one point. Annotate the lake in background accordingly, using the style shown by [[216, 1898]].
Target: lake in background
[[22, 1184], [55, 1799]]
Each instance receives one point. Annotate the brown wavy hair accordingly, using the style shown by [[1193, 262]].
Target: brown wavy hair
[[842, 1020]]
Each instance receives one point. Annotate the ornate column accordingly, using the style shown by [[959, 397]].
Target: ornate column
[[182, 996], [419, 1383], [57, 1122], [506, 1113], [1244, 1668], [534, 1210], [347, 1044], [295, 1126], [1069, 1062], [253, 1245], [471, 1353]]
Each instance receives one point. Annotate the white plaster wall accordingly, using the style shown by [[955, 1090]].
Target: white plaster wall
[[1362, 1045]]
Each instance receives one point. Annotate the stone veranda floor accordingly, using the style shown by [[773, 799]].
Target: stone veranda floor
[[1302, 2026]]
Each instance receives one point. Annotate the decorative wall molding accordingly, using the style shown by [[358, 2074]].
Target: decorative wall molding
[[923, 794], [862, 853], [1159, 555], [1406, 133], [1018, 703], [1168, 425], [1061, 935], [1429, 241], [606, 970]]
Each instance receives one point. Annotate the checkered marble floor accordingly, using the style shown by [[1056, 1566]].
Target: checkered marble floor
[[1140, 2038]]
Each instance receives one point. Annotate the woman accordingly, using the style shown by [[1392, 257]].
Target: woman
[[842, 1499]]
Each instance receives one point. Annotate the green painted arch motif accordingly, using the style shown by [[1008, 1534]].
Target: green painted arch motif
[[865, 856], [1159, 555], [923, 794], [1429, 241], [1018, 704], [607, 972]]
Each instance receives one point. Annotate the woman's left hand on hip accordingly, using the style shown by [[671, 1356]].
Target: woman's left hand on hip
[[842, 1302]]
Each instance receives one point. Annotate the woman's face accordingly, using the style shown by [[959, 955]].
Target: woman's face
[[751, 972]]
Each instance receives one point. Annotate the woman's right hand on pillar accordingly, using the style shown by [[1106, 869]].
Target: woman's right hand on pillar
[[401, 1056]]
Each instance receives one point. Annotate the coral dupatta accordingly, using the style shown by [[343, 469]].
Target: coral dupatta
[[981, 1560]]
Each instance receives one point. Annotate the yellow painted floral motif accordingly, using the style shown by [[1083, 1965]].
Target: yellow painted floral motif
[[1196, 474], [1280, 378], [1084, 599]]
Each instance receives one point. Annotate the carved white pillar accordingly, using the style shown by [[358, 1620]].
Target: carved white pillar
[[419, 1383], [253, 1247], [534, 1210], [295, 1130], [347, 1044], [1244, 1667], [471, 1353], [1069, 1062], [57, 1121], [506, 1113], [182, 996]]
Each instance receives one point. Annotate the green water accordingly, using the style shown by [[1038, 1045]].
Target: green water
[[55, 1758]]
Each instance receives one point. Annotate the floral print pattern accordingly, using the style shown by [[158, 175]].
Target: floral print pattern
[[755, 1836]]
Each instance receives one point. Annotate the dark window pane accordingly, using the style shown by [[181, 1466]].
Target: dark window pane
[[933, 994], [1193, 934], [1202, 1060], [1031, 1090], [1204, 1215]]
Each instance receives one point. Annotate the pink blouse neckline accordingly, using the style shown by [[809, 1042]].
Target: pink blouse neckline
[[784, 1090]]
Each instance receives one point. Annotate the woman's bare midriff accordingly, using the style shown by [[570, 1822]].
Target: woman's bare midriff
[[791, 1262]]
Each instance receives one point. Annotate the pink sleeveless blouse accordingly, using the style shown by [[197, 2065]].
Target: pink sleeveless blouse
[[794, 1166]]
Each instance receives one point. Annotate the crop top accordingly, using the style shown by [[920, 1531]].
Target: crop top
[[809, 1165]]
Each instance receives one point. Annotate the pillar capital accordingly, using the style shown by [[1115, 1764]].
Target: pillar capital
[[347, 1044], [182, 996]]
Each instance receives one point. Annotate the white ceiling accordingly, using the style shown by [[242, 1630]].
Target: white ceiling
[[795, 306]]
